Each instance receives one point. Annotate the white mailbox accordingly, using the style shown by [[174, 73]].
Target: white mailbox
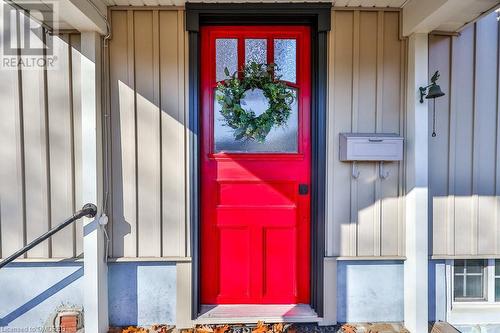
[[371, 147]]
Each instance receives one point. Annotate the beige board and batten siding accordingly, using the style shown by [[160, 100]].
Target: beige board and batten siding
[[39, 153], [147, 57], [464, 157], [366, 67]]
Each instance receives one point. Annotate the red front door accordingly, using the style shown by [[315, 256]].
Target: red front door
[[255, 219]]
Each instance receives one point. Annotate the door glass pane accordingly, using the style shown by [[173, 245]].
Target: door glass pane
[[279, 140], [256, 51], [497, 268], [474, 287], [285, 58], [226, 56]]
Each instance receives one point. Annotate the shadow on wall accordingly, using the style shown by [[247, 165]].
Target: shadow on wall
[[141, 293], [148, 178], [41, 134], [31, 292], [463, 157]]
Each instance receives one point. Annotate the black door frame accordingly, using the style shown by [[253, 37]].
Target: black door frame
[[318, 17]]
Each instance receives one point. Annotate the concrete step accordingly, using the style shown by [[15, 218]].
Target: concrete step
[[253, 313], [442, 327]]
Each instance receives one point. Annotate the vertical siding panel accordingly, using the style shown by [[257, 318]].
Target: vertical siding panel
[[462, 94], [353, 234], [60, 140], [184, 240], [450, 226], [364, 116], [172, 119], [121, 54], [402, 129], [148, 134], [332, 229], [77, 115], [35, 153], [157, 68], [11, 184], [390, 114], [187, 233], [342, 104], [485, 131], [469, 225], [181, 155], [365, 96], [439, 59], [497, 157], [37, 142], [377, 228]]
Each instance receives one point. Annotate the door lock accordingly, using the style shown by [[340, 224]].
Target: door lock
[[303, 189]]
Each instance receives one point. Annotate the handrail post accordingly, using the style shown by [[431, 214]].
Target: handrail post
[[91, 164]]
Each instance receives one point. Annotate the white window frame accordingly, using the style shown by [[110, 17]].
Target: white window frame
[[488, 281], [485, 283], [473, 311]]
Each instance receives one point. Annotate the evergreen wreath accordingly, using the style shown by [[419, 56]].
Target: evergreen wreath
[[245, 123]]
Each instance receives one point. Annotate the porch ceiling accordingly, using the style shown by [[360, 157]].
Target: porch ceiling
[[423, 16], [456, 13], [418, 15], [81, 15], [336, 3]]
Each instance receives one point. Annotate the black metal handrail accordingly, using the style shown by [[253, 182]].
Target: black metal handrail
[[88, 210]]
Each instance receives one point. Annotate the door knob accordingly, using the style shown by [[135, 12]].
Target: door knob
[[303, 189]]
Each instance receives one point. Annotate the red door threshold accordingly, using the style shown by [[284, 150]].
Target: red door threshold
[[253, 313]]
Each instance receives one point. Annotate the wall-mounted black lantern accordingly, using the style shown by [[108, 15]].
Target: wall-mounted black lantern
[[433, 93]]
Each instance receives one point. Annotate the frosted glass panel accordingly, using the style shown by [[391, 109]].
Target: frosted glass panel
[[256, 51], [279, 140], [226, 55], [285, 51]]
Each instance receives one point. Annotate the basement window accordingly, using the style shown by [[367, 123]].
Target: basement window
[[469, 280]]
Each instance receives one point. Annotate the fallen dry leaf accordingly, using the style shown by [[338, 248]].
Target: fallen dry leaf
[[158, 328], [134, 329], [260, 328], [278, 328], [348, 328], [221, 329], [204, 329]]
